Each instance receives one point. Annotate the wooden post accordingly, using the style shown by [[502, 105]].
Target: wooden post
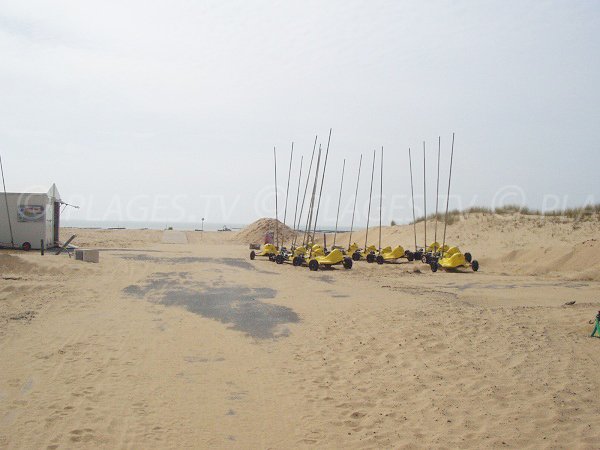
[[66, 244]]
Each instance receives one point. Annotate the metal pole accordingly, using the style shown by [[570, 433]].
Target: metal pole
[[322, 181], [312, 201], [276, 210], [424, 198], [380, 196], [288, 185], [337, 216], [370, 196], [305, 188], [355, 198], [297, 197], [309, 213], [448, 196], [12, 240], [437, 190], [412, 193]]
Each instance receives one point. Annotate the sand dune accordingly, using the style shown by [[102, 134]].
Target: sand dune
[[194, 345], [511, 244]]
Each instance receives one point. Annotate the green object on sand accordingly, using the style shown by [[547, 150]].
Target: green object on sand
[[597, 326]]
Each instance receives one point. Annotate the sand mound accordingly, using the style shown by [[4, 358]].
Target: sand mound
[[11, 265], [255, 232]]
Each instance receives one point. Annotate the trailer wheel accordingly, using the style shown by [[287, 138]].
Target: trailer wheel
[[434, 266], [313, 265], [379, 259], [468, 257], [347, 263], [252, 255], [371, 258], [279, 259], [26, 246], [425, 259], [356, 256], [475, 265]]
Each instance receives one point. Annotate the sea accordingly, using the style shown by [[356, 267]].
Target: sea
[[133, 225], [184, 226]]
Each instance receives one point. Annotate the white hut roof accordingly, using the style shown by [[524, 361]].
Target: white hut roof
[[53, 193]]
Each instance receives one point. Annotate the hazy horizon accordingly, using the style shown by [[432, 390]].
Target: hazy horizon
[[151, 112]]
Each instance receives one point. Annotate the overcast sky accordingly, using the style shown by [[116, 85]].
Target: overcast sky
[[170, 110]]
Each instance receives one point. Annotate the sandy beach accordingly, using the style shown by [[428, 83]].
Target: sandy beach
[[163, 145], [192, 345]]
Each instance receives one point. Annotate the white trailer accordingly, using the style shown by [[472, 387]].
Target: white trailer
[[28, 218]]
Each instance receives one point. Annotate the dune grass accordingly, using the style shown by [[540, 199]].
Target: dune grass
[[588, 212]]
